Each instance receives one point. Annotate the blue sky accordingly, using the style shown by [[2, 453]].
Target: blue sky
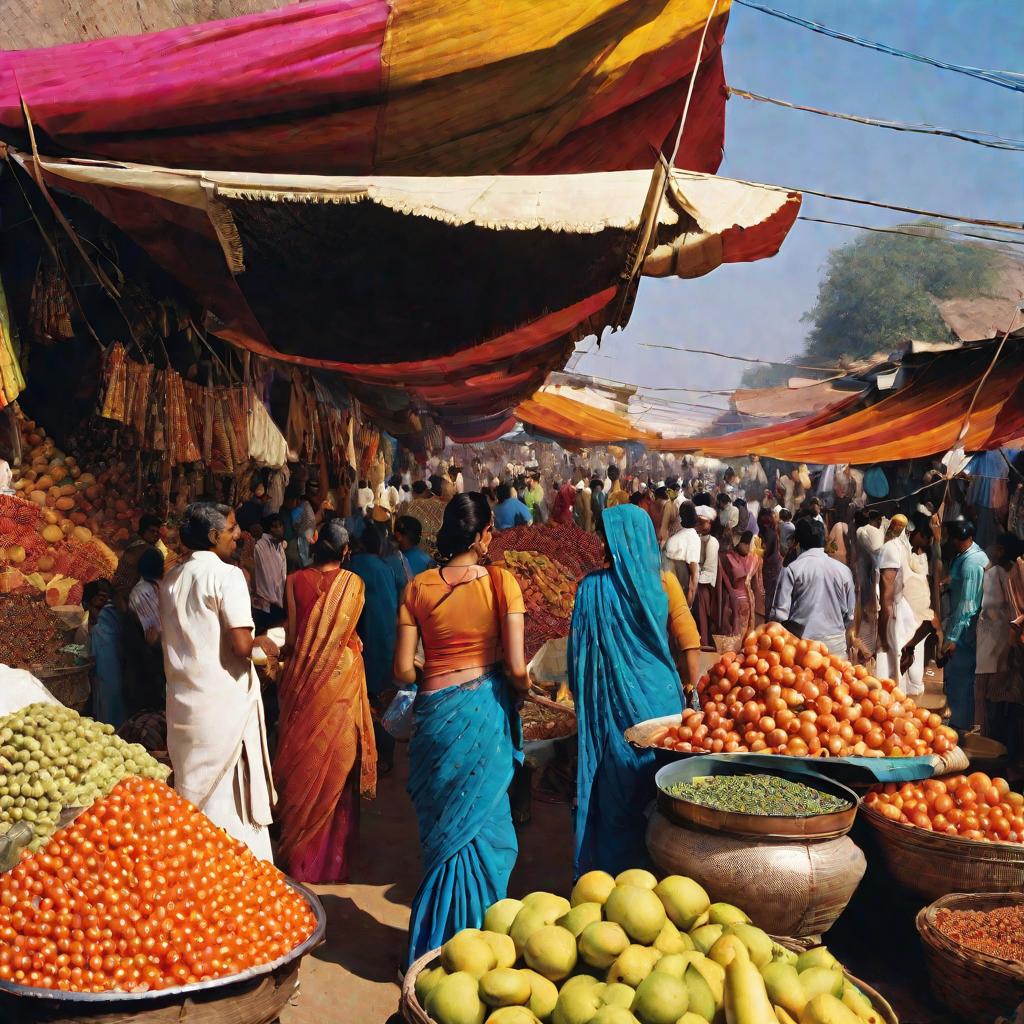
[[754, 309]]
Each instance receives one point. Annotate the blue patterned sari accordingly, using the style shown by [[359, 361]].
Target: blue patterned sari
[[621, 672], [464, 743]]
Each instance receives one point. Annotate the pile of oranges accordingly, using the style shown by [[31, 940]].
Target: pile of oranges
[[974, 806], [785, 695], [142, 892]]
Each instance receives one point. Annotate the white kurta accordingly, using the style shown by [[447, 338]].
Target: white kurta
[[902, 623], [216, 735]]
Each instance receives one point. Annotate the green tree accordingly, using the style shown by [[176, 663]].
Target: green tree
[[879, 292]]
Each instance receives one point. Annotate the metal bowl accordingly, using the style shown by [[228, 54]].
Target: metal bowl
[[136, 1001], [761, 826]]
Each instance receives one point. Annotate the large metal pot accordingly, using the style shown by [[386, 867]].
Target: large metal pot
[[797, 887]]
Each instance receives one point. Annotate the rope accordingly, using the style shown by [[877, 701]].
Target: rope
[[659, 181], [965, 135], [917, 234], [1005, 79], [979, 221], [748, 359]]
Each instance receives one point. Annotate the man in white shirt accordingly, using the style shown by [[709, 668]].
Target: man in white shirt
[[896, 619], [682, 551], [869, 538], [270, 571], [706, 606], [216, 735], [364, 497]]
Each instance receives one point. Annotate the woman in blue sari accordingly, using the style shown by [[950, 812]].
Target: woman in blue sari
[[466, 730], [633, 641]]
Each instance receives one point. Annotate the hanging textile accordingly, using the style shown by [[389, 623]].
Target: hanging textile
[[12, 380], [267, 445]]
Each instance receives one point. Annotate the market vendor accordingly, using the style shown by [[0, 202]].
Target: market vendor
[[127, 573], [216, 735]]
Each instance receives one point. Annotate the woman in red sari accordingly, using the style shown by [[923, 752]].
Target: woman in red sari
[[734, 570], [326, 753]]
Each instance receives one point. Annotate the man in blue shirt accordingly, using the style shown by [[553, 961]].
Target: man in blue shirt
[[510, 511], [413, 559], [815, 596], [966, 579]]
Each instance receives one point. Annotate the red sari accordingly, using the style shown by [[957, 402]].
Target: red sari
[[735, 611], [325, 728]]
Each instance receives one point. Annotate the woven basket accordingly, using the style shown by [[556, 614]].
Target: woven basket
[[71, 686], [724, 644], [930, 864], [977, 987], [413, 1013]]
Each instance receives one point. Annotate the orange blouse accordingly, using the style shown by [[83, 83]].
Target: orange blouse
[[682, 630], [460, 626]]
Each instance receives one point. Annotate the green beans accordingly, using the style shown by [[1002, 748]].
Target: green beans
[[52, 758], [766, 795]]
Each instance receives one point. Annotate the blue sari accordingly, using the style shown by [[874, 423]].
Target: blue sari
[[621, 672], [464, 742], [377, 624]]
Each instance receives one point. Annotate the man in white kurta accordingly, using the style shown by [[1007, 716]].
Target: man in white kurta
[[216, 735]]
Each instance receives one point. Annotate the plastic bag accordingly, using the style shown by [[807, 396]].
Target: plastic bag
[[397, 720]]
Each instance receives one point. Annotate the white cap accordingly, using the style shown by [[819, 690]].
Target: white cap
[[705, 512]]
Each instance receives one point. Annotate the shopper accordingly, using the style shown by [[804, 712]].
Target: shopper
[[216, 736], [408, 533], [270, 570], [993, 684], [896, 620], [966, 584], [771, 557], [681, 554], [144, 688], [326, 756], [377, 626], [815, 596], [467, 733], [428, 509], [510, 511], [706, 607], [625, 622]]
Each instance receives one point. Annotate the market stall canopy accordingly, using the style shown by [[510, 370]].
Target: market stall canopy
[[923, 417], [454, 296], [377, 87]]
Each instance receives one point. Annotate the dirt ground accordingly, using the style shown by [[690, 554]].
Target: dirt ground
[[353, 977]]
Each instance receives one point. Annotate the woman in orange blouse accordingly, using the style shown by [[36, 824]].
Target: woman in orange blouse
[[466, 729]]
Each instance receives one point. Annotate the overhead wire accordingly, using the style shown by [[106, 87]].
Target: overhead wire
[[905, 230], [1004, 79], [962, 219], [992, 141]]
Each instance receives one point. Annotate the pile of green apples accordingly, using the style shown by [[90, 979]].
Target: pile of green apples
[[632, 950]]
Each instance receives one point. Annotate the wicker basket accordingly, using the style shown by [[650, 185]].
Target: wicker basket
[[724, 644], [930, 864], [413, 1013], [71, 686], [977, 987]]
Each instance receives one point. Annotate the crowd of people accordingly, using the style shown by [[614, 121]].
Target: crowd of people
[[388, 590]]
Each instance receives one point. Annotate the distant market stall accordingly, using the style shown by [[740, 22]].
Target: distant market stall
[[917, 414]]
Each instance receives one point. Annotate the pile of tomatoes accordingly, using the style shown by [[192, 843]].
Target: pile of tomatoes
[[142, 891], [974, 806], [785, 695]]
